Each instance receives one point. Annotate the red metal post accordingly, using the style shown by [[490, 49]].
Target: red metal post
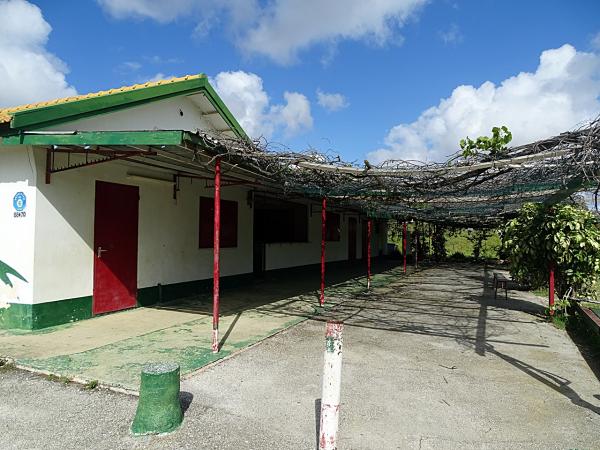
[[369, 228], [404, 244], [323, 236], [216, 254], [416, 244], [551, 289]]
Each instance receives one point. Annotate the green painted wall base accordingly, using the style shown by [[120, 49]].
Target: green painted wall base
[[165, 293], [16, 316], [159, 409], [43, 315]]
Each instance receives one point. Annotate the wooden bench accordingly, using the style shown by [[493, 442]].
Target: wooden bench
[[501, 281]]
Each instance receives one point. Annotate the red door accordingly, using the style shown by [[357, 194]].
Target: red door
[[351, 238], [115, 247]]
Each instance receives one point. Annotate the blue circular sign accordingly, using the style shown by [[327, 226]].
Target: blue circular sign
[[19, 201]]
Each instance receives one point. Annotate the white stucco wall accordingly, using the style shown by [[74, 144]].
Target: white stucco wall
[[17, 175], [167, 238], [52, 244], [283, 255], [167, 234], [160, 115]]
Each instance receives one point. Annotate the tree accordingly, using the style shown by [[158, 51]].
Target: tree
[[565, 236], [492, 146], [477, 238], [438, 242]]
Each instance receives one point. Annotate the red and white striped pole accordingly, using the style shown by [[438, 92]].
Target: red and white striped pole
[[369, 230], [323, 237], [551, 290], [216, 254], [404, 244], [332, 377]]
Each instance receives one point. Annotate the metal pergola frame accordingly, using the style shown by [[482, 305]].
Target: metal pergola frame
[[481, 192]]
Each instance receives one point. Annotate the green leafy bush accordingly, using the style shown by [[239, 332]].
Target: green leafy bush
[[490, 146], [563, 235], [459, 257]]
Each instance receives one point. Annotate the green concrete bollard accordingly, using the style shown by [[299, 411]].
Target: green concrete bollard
[[159, 409]]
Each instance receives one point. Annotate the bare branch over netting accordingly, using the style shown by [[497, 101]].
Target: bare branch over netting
[[477, 190]]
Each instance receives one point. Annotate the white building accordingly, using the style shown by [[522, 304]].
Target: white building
[[105, 205]]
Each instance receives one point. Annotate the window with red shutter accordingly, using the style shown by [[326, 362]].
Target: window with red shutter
[[277, 221], [229, 223], [332, 227]]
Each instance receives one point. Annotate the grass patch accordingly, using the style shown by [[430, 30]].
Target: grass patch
[[91, 385], [58, 378], [559, 321], [52, 377], [458, 242]]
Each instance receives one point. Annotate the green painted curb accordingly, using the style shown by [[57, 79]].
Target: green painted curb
[[159, 409]]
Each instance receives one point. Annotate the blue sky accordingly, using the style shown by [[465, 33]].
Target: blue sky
[[388, 64]]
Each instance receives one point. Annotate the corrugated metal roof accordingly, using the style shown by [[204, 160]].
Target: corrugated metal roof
[[7, 113]]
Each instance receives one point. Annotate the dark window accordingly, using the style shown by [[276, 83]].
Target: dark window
[[229, 222], [279, 221], [332, 228]]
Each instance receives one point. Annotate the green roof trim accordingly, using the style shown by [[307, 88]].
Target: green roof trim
[[106, 138], [53, 114]]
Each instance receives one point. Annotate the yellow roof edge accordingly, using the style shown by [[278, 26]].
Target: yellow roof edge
[[6, 113]]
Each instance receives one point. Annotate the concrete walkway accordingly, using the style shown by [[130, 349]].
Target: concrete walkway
[[430, 361], [113, 348]]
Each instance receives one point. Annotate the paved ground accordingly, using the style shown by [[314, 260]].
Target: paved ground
[[113, 348], [430, 361]]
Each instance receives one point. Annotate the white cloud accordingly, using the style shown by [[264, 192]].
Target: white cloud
[[28, 72], [284, 28], [129, 66], [562, 93], [244, 95], [295, 115], [205, 12], [134, 68], [452, 35], [156, 77], [331, 102], [159, 60], [595, 41], [158, 10], [280, 29]]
